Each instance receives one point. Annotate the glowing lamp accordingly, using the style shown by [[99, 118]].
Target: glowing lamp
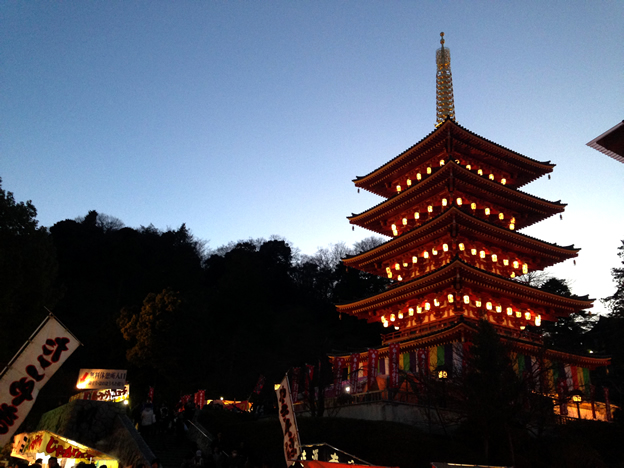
[[398, 188], [518, 314], [400, 315], [385, 324], [473, 251], [394, 227], [400, 278], [442, 374], [416, 215], [522, 327], [505, 262], [404, 264], [466, 299], [513, 274], [516, 264], [427, 306], [478, 303], [525, 268], [397, 266], [459, 202], [387, 269], [482, 254], [577, 398], [418, 176], [513, 220], [404, 221], [509, 311], [410, 311], [409, 182], [396, 327], [436, 303], [488, 305], [451, 298], [527, 315], [501, 215], [414, 259], [491, 176], [434, 251], [487, 212], [473, 206], [392, 318], [538, 320], [512, 226], [430, 209], [441, 162], [126, 402], [428, 170], [383, 318], [503, 181], [445, 247], [494, 258], [348, 389], [425, 254], [444, 202], [418, 310], [469, 167], [499, 309], [389, 274], [480, 172], [462, 246]]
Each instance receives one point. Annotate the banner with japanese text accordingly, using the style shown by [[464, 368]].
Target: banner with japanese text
[[32, 367], [292, 445], [393, 358], [338, 365], [371, 367], [355, 369], [91, 379]]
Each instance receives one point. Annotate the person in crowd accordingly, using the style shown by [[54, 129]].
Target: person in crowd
[[53, 462], [148, 418], [156, 463], [198, 459]]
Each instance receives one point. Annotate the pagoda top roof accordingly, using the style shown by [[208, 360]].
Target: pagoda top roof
[[432, 229], [526, 169], [457, 270], [524, 202]]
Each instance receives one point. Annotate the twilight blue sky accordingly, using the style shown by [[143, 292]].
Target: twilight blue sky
[[247, 119]]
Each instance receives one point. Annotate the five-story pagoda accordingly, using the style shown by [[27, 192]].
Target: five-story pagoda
[[453, 208]]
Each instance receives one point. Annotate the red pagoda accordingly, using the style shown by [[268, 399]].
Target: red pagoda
[[453, 208]]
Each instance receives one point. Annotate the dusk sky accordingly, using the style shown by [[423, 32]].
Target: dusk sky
[[250, 119]]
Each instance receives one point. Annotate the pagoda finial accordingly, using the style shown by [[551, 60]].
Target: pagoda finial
[[445, 105]]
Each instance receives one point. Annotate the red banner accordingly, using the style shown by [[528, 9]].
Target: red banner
[[371, 367], [309, 376], [338, 365], [150, 394], [393, 358], [295, 384], [200, 398], [423, 361], [355, 370]]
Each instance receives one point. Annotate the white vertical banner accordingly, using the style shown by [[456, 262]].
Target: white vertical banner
[[31, 368], [292, 446]]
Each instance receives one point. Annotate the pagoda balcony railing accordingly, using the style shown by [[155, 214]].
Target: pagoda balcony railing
[[416, 332]]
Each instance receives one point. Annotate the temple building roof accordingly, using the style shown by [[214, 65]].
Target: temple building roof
[[611, 142]]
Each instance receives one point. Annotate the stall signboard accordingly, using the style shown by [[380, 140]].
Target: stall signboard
[[90, 379], [33, 365], [30, 446], [116, 395], [292, 446]]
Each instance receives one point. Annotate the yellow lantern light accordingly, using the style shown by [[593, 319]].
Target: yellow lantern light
[[462, 246], [538, 320], [513, 274], [488, 305], [434, 251], [501, 215], [430, 209], [459, 201], [478, 303], [425, 254], [518, 314], [400, 315], [516, 264], [527, 315], [398, 188], [392, 318], [414, 259], [441, 162], [444, 202], [418, 176], [509, 311], [397, 266], [445, 247], [436, 302], [416, 215], [409, 182], [389, 275], [404, 264], [400, 278], [418, 310], [522, 327], [404, 221], [385, 324], [487, 212], [410, 311], [451, 298], [499, 309], [494, 258], [525, 268], [473, 251], [491, 176], [387, 269], [480, 172], [513, 220], [428, 170], [427, 306], [505, 262], [512, 226], [383, 318], [469, 167], [482, 254], [394, 227], [503, 181], [466, 299], [473, 206]]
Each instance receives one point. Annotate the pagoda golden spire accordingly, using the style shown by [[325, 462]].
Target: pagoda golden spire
[[445, 105]]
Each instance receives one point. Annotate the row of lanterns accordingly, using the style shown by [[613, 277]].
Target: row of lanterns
[[489, 305], [516, 264], [419, 176], [459, 201]]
